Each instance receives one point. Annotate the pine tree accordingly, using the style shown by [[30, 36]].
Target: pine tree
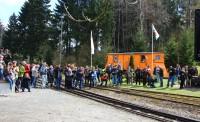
[[139, 44], [171, 55], [34, 18], [11, 38], [186, 47]]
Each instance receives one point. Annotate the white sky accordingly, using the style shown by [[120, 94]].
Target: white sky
[[8, 7]]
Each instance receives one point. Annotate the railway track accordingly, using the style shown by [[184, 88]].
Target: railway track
[[133, 108], [181, 99], [129, 107]]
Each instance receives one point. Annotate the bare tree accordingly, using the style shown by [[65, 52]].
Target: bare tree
[[86, 18]]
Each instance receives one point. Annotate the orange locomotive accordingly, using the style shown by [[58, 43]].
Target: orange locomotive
[[140, 59]]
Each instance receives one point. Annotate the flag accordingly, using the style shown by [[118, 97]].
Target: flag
[[155, 32], [92, 44]]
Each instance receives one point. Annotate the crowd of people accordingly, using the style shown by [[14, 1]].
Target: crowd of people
[[21, 75], [182, 75]]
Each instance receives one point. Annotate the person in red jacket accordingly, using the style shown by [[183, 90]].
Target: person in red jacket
[[26, 80]]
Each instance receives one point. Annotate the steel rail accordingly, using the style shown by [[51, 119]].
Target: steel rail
[[137, 109], [159, 96]]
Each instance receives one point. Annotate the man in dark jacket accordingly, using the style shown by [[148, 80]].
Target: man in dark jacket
[[80, 77], [50, 74], [58, 76], [109, 71], [182, 77], [171, 76], [68, 76], [144, 76], [137, 75]]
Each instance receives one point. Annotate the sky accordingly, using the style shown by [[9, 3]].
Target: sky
[[8, 7]]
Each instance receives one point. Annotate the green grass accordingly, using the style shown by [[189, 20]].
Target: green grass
[[174, 90]]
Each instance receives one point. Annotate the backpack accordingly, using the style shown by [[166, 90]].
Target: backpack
[[43, 70]]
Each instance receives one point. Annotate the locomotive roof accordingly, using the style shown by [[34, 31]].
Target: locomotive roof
[[136, 52]]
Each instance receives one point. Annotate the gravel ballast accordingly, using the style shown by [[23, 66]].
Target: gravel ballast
[[165, 106]]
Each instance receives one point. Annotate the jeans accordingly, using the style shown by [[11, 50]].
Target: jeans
[[44, 81], [1, 74], [80, 83], [10, 81], [157, 77], [149, 80], [115, 80], [13, 85], [93, 82], [75, 83], [58, 82], [171, 79], [33, 81], [119, 77], [161, 81]]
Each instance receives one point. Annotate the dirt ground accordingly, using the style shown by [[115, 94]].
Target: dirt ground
[[45, 105]]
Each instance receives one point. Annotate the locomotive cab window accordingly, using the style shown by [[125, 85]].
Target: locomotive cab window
[[143, 58], [157, 57]]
